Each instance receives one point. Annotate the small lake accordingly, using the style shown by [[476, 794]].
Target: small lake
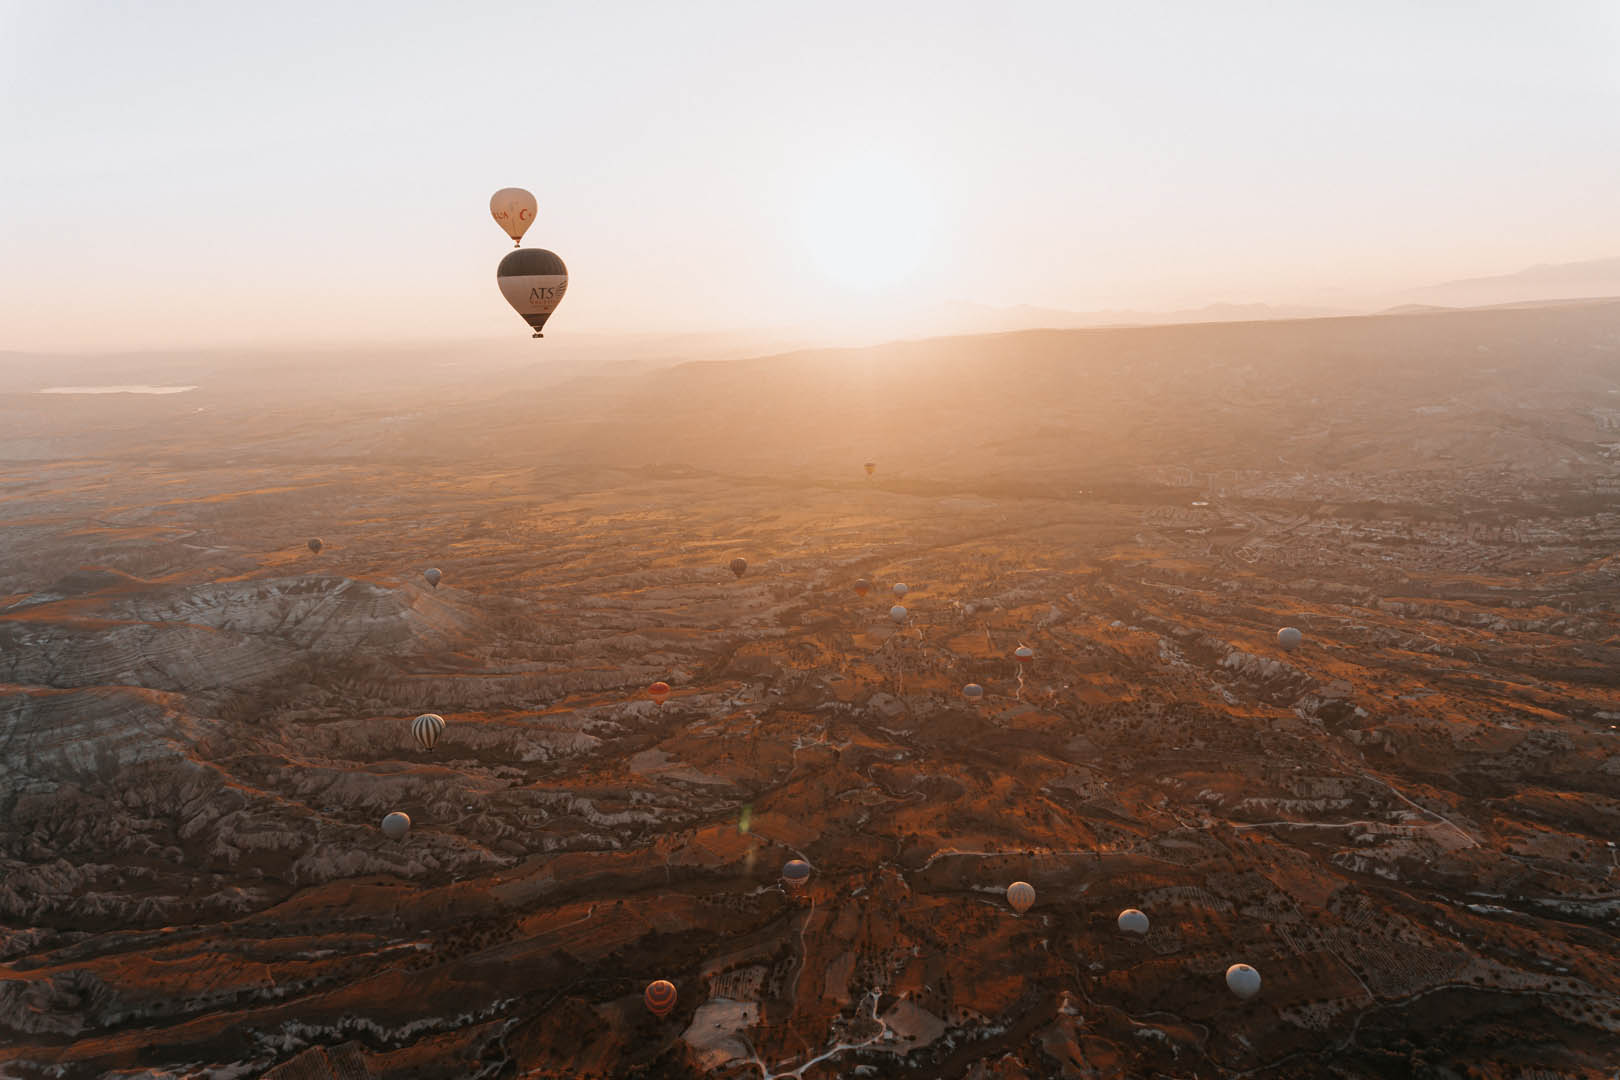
[[133, 389]]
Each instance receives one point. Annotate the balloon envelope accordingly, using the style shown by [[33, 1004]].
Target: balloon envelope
[[901, 588], [871, 467], [426, 728], [796, 874], [739, 566], [658, 691], [433, 576], [862, 587], [1290, 638], [396, 825], [1243, 980], [1025, 654], [533, 280], [315, 545], [1133, 922], [897, 613], [660, 997], [973, 691], [1021, 895], [514, 210]]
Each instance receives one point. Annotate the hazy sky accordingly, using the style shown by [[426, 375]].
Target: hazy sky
[[217, 173]]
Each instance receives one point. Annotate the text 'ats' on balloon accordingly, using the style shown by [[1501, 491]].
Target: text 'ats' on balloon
[[533, 281]]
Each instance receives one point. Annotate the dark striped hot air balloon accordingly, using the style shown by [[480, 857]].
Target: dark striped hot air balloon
[[660, 997], [1021, 896], [739, 566], [315, 544], [795, 876], [533, 281], [426, 728]]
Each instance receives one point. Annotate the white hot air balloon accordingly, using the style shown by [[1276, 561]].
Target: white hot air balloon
[[973, 692], [426, 728], [396, 825], [898, 613], [514, 210], [1290, 638], [1021, 895], [1243, 980], [901, 588], [1133, 922]]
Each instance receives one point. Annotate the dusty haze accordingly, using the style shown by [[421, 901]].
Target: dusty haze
[[220, 175]]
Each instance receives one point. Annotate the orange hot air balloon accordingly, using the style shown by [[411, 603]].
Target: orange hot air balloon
[[658, 691], [660, 997], [871, 467], [862, 587]]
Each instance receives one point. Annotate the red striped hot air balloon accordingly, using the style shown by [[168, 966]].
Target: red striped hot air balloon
[[659, 692], [660, 997]]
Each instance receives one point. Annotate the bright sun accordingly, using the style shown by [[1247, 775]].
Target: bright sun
[[867, 222]]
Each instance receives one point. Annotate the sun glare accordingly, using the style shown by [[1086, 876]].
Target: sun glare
[[867, 223]]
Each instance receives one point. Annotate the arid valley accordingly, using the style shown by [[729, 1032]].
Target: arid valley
[[1407, 826]]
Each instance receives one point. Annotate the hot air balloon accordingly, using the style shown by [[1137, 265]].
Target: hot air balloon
[[315, 545], [1133, 922], [427, 728], [739, 566], [871, 467], [514, 210], [1289, 638], [1021, 895], [660, 997], [1025, 655], [973, 692], [1243, 980], [796, 875], [533, 281], [658, 691], [433, 576], [968, 609], [862, 587], [898, 613], [901, 588], [396, 825]]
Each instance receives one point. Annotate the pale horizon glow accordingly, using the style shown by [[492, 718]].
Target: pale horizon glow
[[183, 175]]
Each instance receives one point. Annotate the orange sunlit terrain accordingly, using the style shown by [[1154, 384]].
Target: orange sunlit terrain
[[1406, 825]]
